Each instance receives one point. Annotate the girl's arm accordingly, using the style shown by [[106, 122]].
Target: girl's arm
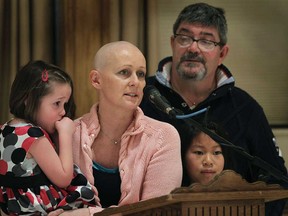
[[58, 168]]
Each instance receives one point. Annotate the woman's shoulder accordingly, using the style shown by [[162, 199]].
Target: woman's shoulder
[[156, 126], [157, 123], [160, 134]]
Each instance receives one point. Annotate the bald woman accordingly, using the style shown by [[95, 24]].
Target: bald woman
[[126, 155]]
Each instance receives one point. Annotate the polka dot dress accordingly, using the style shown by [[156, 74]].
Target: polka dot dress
[[24, 188]]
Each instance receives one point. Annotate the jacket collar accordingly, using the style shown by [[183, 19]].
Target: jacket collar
[[224, 76]]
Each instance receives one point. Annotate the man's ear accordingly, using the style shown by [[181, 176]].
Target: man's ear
[[223, 54], [172, 39], [95, 78]]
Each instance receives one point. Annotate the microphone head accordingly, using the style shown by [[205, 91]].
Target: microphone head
[[150, 89], [158, 100], [152, 93]]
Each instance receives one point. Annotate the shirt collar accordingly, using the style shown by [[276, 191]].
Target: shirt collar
[[164, 76]]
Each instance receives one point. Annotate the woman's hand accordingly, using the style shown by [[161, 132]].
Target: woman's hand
[[56, 212], [76, 212]]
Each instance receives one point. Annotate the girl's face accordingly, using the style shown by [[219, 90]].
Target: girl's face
[[204, 159], [51, 107]]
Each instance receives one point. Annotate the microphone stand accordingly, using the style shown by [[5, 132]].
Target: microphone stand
[[253, 159]]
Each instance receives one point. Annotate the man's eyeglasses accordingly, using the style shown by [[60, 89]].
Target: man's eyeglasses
[[203, 44]]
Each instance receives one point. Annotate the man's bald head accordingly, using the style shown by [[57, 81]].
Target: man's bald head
[[110, 52]]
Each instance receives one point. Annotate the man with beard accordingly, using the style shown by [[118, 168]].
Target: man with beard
[[195, 78]]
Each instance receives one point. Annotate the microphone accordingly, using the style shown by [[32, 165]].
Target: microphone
[[159, 101]]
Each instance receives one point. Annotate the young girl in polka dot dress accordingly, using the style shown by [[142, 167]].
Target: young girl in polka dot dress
[[37, 174]]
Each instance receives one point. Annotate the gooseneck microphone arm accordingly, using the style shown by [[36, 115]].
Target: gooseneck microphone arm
[[159, 101]]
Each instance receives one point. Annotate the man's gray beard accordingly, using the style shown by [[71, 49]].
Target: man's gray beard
[[188, 76]]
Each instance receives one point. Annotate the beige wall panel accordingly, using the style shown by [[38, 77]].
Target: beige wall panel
[[83, 29]]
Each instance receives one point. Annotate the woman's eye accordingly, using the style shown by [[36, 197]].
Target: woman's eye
[[124, 72], [141, 74]]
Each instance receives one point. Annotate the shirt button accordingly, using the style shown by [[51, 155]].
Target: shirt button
[[184, 104]]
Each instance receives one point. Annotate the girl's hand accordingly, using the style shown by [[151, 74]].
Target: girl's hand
[[65, 126]]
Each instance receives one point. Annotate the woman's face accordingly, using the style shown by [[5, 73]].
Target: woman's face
[[122, 79], [204, 159]]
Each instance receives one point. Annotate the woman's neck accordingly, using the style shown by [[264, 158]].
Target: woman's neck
[[114, 124], [106, 146]]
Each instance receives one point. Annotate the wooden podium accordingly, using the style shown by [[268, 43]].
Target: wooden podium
[[228, 194]]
